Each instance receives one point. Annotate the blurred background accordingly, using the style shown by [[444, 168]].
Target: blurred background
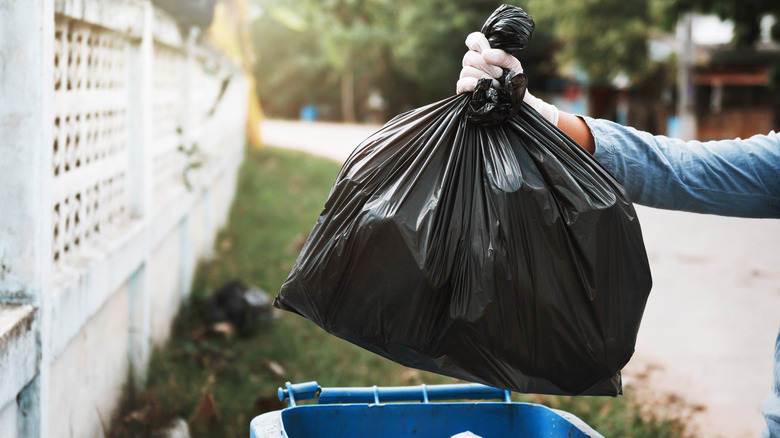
[[694, 68], [158, 209]]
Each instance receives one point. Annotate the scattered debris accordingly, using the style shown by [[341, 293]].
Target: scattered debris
[[274, 367], [655, 400], [150, 409], [198, 333], [206, 414], [411, 376], [225, 328], [176, 428], [225, 244], [244, 307], [297, 244]]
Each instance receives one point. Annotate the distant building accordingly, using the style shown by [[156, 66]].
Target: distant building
[[735, 93], [729, 92]]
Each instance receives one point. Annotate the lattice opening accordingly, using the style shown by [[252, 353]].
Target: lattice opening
[[57, 157]]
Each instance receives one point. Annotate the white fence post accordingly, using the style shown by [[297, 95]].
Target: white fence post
[[26, 133], [140, 179], [26, 87], [186, 260]]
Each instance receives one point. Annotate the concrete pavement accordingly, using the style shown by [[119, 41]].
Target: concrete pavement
[[713, 314], [708, 333], [331, 140]]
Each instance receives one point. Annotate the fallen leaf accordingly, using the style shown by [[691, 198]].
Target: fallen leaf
[[206, 413], [274, 367], [297, 244], [411, 377], [225, 245], [605, 410], [149, 410], [198, 333], [224, 328]]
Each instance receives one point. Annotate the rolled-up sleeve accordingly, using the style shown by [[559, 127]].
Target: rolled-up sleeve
[[726, 177]]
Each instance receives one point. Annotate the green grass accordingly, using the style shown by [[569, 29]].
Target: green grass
[[220, 383]]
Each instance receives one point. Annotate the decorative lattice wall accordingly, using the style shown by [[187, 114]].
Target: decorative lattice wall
[[90, 135], [102, 230]]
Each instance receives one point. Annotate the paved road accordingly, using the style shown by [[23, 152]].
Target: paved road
[[708, 332], [331, 140]]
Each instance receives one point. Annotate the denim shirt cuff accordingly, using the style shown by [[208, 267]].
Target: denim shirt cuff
[[605, 149]]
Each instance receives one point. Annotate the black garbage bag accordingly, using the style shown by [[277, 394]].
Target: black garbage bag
[[480, 245]]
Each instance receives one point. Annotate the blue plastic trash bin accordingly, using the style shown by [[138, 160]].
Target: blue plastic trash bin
[[408, 411]]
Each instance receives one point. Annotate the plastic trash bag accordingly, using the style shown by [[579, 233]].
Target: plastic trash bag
[[495, 250]]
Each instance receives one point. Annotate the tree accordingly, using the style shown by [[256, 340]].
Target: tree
[[351, 34], [322, 46], [409, 49], [291, 71], [429, 43], [604, 38], [336, 50]]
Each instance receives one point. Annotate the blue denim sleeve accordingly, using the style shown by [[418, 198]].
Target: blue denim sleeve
[[725, 177], [771, 406]]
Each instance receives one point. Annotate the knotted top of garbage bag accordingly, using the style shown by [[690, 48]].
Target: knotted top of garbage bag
[[508, 28]]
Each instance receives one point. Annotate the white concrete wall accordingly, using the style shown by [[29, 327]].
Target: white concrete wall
[[19, 360], [8, 420], [90, 372], [102, 222], [165, 294]]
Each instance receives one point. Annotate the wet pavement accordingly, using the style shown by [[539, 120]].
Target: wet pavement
[[708, 332]]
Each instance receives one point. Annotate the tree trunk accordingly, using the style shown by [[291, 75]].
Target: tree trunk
[[348, 95]]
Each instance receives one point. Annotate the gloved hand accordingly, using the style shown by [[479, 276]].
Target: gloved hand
[[482, 62]]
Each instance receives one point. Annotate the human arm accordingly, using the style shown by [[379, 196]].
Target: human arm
[[728, 177], [725, 177], [578, 130]]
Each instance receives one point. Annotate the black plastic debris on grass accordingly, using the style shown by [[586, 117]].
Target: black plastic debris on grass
[[245, 307]]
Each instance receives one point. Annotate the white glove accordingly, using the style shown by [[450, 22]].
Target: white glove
[[482, 62]]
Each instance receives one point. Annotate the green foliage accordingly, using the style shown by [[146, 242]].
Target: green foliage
[[319, 51], [410, 50], [309, 51], [291, 70], [604, 37], [349, 31], [430, 44]]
